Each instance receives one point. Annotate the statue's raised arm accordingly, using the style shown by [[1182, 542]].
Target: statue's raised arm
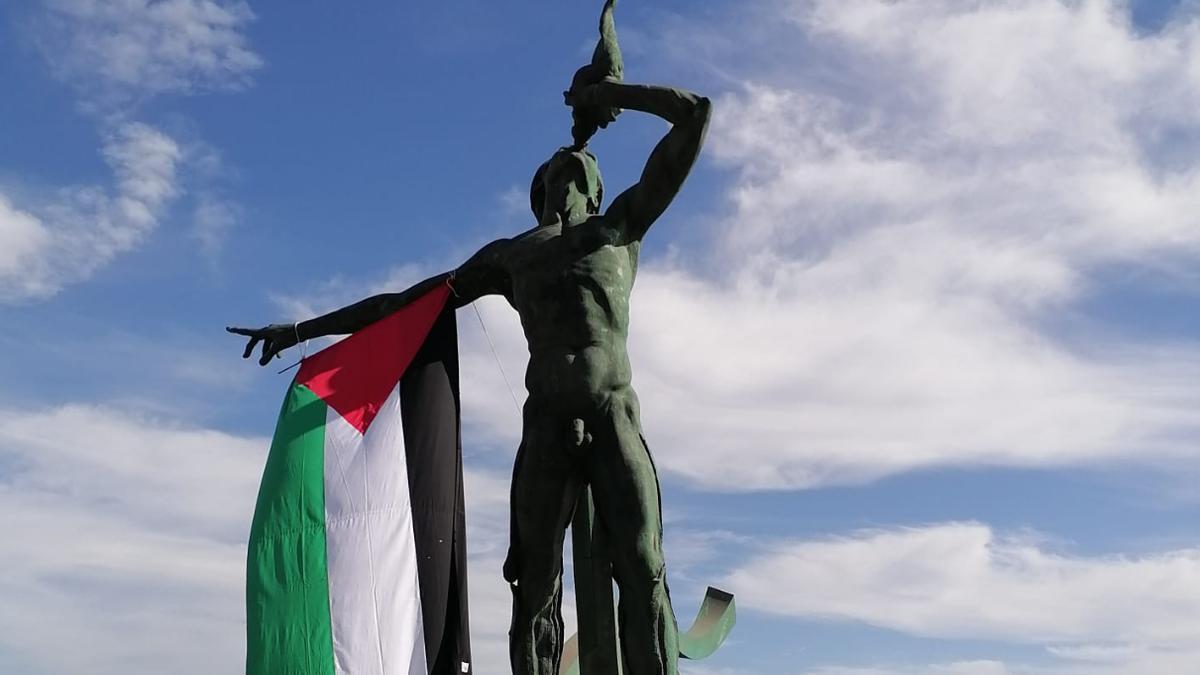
[[671, 160], [485, 273], [597, 96]]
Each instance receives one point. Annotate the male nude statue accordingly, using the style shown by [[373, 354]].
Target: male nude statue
[[569, 278]]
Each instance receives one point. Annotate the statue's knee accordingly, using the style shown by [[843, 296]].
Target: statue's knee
[[532, 578], [645, 566], [530, 561]]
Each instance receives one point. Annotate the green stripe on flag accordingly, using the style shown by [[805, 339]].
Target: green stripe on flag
[[287, 586]]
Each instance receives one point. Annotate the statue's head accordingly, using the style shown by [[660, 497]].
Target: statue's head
[[567, 187]]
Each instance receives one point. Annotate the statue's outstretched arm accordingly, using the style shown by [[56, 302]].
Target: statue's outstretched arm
[[673, 157], [483, 274]]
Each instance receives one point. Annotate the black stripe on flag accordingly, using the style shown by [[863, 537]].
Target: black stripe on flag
[[430, 405]]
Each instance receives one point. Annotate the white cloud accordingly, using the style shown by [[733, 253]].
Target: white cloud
[[118, 51], [1019, 141], [23, 236], [120, 525], [962, 580], [799, 382], [487, 511], [1035, 120], [143, 160], [212, 219], [1143, 662], [490, 380], [514, 201], [85, 228], [1095, 615]]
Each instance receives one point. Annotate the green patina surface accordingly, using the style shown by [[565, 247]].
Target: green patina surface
[[595, 649], [570, 278]]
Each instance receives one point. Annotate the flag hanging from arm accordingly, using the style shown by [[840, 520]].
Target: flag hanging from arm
[[357, 555]]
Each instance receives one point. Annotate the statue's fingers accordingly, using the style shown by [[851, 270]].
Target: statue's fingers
[[250, 346], [239, 331], [268, 350]]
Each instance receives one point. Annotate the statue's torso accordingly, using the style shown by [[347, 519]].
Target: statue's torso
[[571, 287]]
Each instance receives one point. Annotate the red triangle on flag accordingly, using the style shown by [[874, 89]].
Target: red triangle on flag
[[356, 375]]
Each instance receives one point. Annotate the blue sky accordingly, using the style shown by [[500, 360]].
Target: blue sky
[[918, 345]]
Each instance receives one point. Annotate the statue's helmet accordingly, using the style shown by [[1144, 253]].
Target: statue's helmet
[[584, 170]]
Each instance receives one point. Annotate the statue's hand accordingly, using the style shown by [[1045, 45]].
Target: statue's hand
[[275, 338], [585, 91], [589, 111]]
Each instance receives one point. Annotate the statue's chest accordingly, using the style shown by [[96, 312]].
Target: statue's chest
[[553, 262]]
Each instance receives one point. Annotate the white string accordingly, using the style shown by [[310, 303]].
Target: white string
[[496, 356], [304, 347], [303, 350]]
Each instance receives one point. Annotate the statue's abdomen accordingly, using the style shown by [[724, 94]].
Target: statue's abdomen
[[577, 324]]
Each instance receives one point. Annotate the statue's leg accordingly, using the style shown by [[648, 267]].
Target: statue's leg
[[545, 488], [625, 487]]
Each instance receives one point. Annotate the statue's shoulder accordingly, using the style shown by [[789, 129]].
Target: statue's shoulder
[[532, 237], [517, 250], [609, 227]]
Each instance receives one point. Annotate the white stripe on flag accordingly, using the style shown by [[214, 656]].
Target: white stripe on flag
[[374, 593]]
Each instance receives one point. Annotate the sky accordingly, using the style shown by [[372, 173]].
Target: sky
[[917, 346]]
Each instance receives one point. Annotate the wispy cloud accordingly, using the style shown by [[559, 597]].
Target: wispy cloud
[[71, 238], [212, 219], [119, 52], [117, 55], [514, 201]]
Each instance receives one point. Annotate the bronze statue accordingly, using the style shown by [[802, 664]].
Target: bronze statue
[[570, 278]]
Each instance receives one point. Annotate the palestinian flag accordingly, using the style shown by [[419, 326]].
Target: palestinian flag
[[357, 560]]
